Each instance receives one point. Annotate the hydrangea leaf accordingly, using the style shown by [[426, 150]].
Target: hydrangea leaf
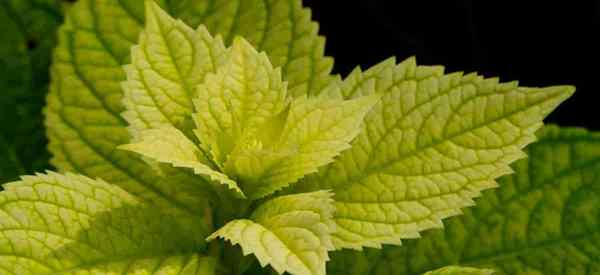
[[291, 233], [235, 101], [170, 60], [315, 131], [543, 219], [67, 224], [432, 145], [190, 264], [168, 145], [284, 30], [28, 35], [84, 105], [459, 270]]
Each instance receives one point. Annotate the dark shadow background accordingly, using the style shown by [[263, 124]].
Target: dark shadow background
[[538, 43]]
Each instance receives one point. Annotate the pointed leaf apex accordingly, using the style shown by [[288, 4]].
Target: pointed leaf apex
[[241, 44], [152, 8], [411, 59], [568, 90]]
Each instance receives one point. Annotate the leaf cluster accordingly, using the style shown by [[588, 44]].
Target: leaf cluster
[[209, 137]]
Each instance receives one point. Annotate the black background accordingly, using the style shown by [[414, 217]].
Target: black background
[[537, 43]]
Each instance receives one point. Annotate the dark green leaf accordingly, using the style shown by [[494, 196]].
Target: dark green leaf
[[28, 36]]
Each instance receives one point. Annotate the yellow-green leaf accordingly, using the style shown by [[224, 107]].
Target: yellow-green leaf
[[239, 98], [459, 270], [314, 132], [167, 64], [83, 116], [543, 219], [290, 233], [433, 144], [168, 145], [68, 224]]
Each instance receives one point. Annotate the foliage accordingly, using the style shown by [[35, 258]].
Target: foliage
[[175, 144], [543, 219], [28, 28]]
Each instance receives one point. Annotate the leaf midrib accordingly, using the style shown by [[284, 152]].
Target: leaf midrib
[[377, 169], [565, 240]]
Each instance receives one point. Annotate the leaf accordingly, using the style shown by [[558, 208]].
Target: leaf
[[28, 35], [236, 100], [10, 164], [174, 265], [315, 131], [170, 60], [281, 28], [84, 105], [432, 145], [65, 224], [170, 146], [458, 270], [291, 233], [544, 219]]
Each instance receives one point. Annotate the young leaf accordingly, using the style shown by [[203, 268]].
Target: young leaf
[[170, 60], [170, 146], [284, 30], [290, 233], [315, 131], [236, 100], [281, 28], [542, 220], [67, 224], [84, 105], [458, 270], [433, 144]]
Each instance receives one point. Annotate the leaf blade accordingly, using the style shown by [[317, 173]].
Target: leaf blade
[[296, 48], [168, 145], [62, 223], [28, 37], [190, 264], [84, 105], [235, 101], [290, 233], [547, 208], [169, 61], [315, 131], [458, 270], [428, 149]]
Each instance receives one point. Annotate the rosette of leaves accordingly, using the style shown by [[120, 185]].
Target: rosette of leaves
[[235, 132]]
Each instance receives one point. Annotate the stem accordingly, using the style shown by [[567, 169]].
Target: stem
[[237, 262], [214, 247], [245, 263], [208, 218], [230, 260]]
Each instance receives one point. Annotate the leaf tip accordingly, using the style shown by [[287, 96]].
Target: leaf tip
[[567, 90], [241, 44], [150, 7]]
